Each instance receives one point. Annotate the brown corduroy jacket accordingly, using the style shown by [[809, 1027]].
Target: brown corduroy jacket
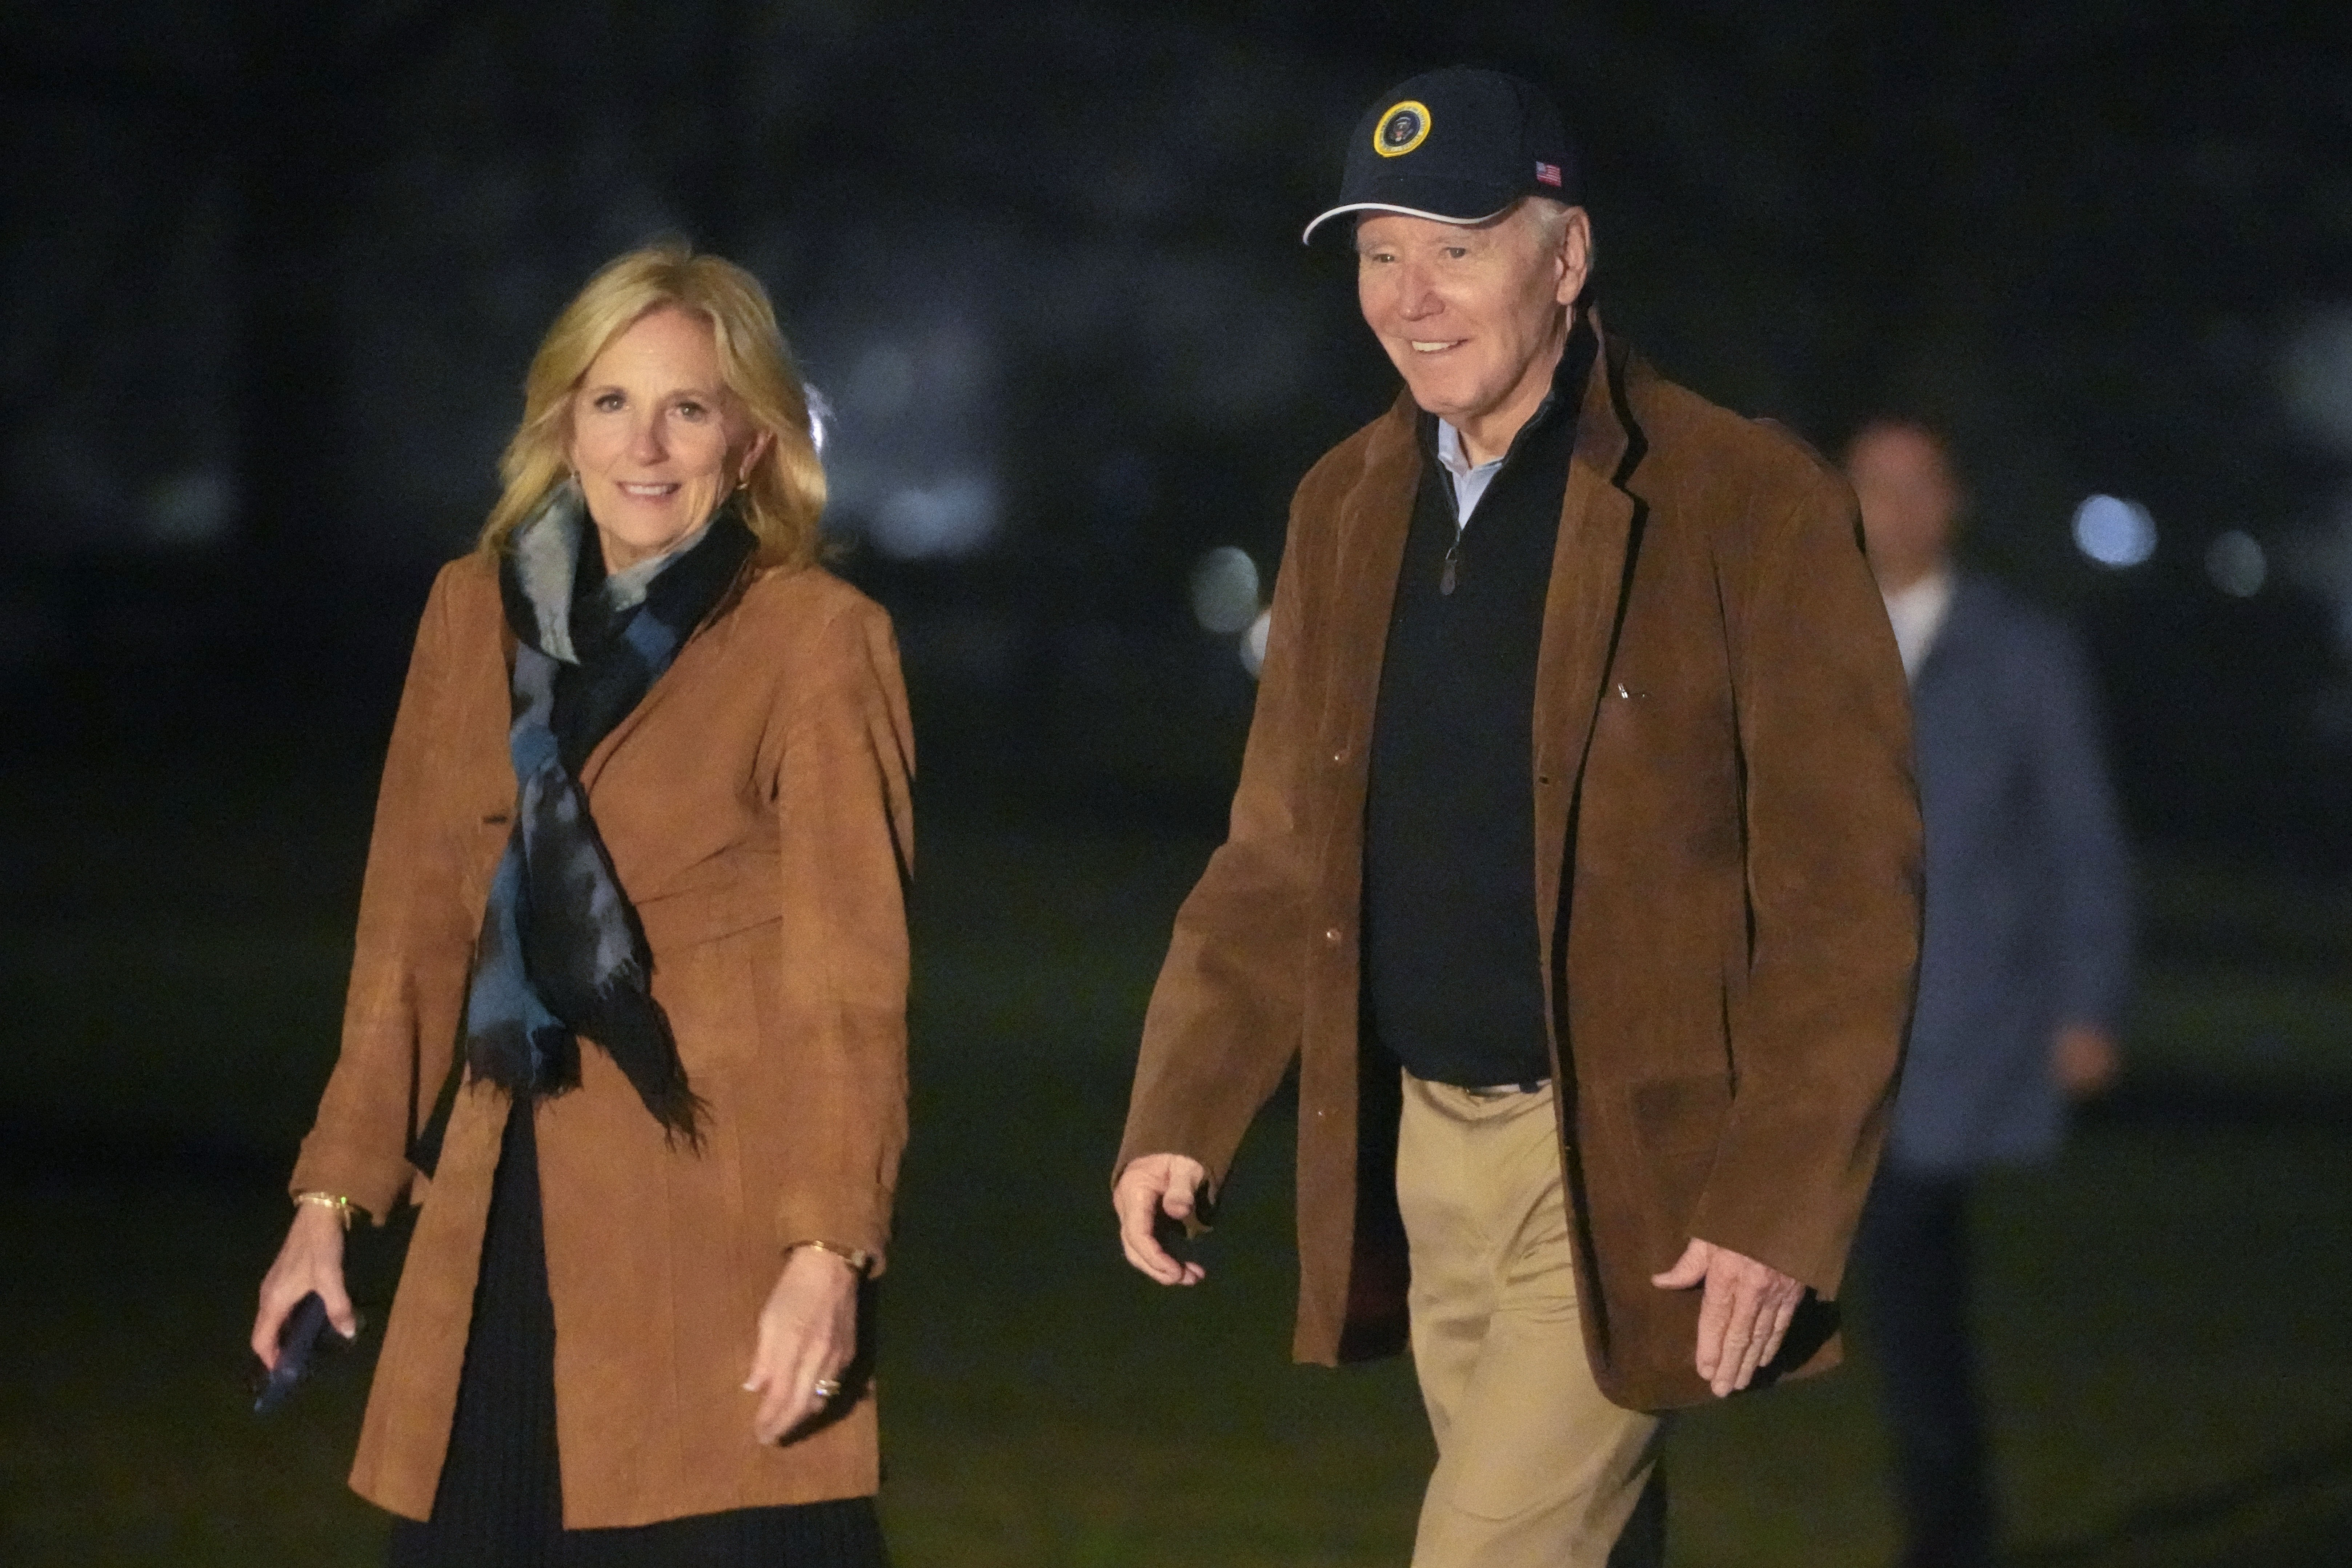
[[756, 807], [1727, 880]]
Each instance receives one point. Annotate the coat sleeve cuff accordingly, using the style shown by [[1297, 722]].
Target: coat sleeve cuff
[[1808, 1242], [372, 1182], [844, 1215]]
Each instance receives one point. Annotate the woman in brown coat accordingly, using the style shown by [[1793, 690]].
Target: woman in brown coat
[[639, 859]]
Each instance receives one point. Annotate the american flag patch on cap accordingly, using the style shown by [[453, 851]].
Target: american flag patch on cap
[[1548, 173]]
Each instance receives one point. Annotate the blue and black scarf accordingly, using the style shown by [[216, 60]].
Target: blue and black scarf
[[561, 954]]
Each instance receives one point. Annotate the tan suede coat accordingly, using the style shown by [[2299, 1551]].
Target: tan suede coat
[[755, 805], [1726, 879]]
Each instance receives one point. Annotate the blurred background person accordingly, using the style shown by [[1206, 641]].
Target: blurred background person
[[2023, 969], [632, 1295]]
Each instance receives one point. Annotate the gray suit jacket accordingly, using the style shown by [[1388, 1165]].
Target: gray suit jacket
[[2029, 884]]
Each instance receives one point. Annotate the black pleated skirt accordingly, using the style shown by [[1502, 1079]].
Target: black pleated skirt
[[500, 1501]]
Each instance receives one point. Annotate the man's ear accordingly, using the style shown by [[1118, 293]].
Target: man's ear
[[1575, 258]]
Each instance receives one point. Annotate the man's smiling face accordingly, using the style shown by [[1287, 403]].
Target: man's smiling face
[[1471, 313]]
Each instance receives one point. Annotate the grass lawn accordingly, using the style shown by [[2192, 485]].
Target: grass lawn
[[2167, 1314]]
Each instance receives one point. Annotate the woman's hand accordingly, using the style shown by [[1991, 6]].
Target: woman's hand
[[808, 1332], [311, 1259]]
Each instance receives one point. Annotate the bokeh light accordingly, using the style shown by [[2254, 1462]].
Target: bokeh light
[[2237, 565], [820, 415], [1224, 590], [2115, 532], [197, 507], [951, 518]]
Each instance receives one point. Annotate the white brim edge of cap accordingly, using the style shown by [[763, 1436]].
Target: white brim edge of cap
[[1307, 234]]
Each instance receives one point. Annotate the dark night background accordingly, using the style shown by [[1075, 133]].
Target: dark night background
[[269, 278]]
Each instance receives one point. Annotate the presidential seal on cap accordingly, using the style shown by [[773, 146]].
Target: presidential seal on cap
[[1457, 145]]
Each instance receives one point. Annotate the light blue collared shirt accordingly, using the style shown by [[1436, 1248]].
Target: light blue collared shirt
[[1470, 482]]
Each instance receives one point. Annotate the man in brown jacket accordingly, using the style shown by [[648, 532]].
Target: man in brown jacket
[[1575, 860]]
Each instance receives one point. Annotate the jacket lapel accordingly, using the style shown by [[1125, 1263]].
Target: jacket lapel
[[1375, 519], [1581, 618]]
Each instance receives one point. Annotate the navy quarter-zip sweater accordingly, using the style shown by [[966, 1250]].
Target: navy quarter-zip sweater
[[1453, 977]]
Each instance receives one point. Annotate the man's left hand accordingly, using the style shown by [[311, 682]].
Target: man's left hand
[[1743, 1317]]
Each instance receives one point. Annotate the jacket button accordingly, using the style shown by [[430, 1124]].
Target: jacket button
[[1331, 935]]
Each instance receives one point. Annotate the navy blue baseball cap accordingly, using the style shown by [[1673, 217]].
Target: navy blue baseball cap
[[1457, 145]]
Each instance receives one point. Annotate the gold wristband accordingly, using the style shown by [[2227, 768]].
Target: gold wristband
[[858, 1259], [342, 1206]]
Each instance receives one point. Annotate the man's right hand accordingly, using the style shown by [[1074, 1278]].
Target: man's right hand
[[1152, 1186]]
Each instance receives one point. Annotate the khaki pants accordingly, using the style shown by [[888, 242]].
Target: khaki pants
[[1534, 1469]]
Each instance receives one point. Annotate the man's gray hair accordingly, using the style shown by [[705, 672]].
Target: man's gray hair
[[1550, 218]]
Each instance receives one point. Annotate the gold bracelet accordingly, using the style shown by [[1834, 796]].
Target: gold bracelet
[[342, 1206], [858, 1259]]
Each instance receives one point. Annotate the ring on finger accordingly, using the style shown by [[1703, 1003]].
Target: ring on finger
[[826, 1387]]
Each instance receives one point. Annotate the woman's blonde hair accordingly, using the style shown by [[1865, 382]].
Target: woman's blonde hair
[[783, 493]]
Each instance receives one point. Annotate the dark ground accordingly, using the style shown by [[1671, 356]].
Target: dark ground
[[2167, 1314]]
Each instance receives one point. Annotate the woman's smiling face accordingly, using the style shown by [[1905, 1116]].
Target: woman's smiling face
[[657, 438]]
